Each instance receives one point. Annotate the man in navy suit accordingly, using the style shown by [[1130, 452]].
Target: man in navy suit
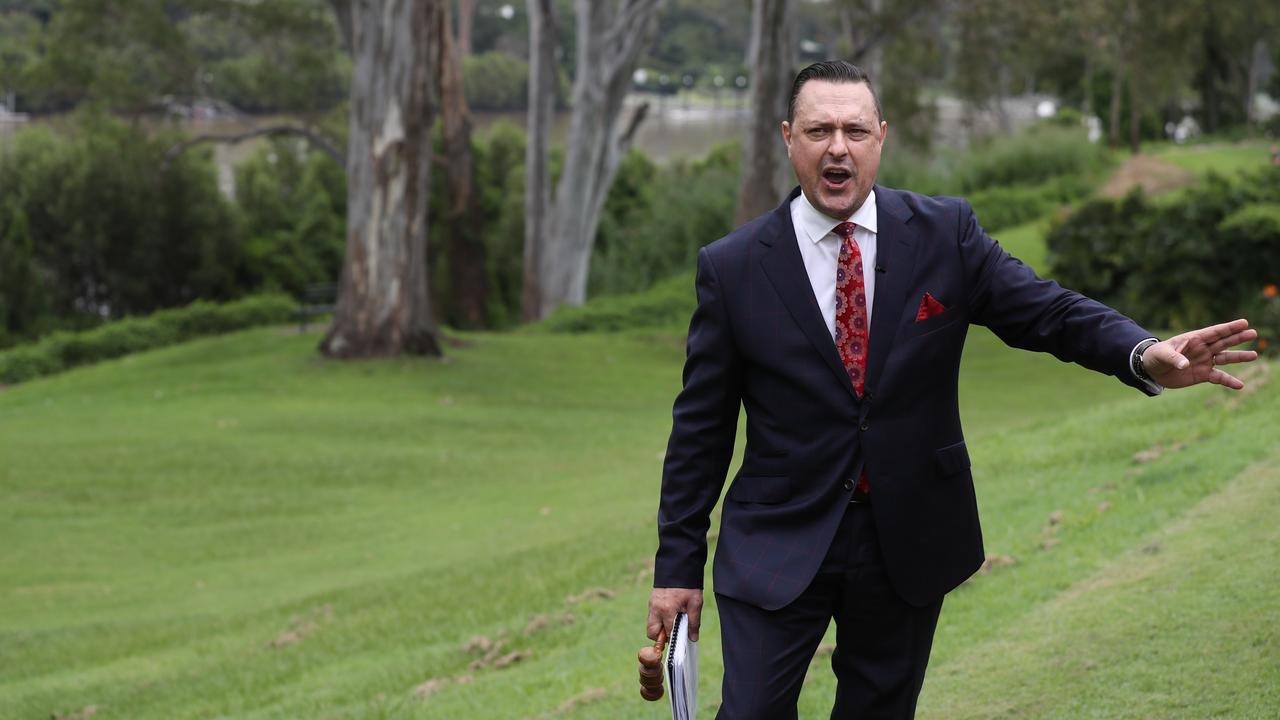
[[837, 322]]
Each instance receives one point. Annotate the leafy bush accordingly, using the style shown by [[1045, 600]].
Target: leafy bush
[[1002, 207], [1196, 261], [96, 224], [656, 218], [1042, 153], [293, 203], [495, 81], [65, 350], [668, 301]]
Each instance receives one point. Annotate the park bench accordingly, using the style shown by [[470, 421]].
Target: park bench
[[320, 299]]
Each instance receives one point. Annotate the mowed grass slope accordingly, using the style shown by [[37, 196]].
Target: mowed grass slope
[[237, 528]]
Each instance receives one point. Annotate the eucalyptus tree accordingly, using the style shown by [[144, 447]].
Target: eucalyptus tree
[[560, 225], [383, 304]]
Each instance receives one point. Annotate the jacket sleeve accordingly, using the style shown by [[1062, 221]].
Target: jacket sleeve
[[1029, 312], [704, 425]]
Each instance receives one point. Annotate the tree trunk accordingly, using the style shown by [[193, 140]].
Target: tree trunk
[[466, 13], [467, 275], [764, 156], [537, 196], [1257, 59], [383, 305], [1135, 119], [610, 37], [1117, 95]]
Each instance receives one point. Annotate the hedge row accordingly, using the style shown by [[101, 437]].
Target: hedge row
[[65, 350], [667, 301], [1203, 258]]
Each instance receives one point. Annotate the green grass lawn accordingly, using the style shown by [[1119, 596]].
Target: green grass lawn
[[1222, 158], [236, 528]]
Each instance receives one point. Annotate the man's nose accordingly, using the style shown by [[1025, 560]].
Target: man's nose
[[838, 147]]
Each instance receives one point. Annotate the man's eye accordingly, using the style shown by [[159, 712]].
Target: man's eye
[[817, 132]]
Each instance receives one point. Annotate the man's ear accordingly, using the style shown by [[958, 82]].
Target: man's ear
[[884, 131], [786, 136]]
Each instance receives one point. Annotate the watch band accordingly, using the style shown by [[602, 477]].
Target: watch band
[[1135, 360]]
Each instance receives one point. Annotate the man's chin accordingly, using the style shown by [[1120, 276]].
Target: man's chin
[[837, 206]]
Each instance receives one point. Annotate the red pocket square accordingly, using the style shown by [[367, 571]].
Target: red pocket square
[[929, 307]]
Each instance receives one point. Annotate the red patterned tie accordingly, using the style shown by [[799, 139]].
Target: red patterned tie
[[851, 309], [851, 317]]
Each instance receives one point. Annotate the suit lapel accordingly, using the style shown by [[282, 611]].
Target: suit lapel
[[784, 267], [895, 262]]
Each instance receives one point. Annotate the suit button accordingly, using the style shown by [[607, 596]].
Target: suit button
[[864, 427], [848, 484]]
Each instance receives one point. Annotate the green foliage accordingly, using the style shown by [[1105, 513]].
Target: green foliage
[[667, 302], [495, 81], [1183, 264], [1002, 207], [294, 208], [65, 350], [1040, 154], [656, 218], [98, 224]]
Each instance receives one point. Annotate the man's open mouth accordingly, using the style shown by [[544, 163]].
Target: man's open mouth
[[836, 178]]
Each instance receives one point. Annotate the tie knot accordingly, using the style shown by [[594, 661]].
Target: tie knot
[[845, 230]]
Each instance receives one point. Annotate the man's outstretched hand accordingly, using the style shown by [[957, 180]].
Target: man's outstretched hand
[[664, 603], [1193, 357]]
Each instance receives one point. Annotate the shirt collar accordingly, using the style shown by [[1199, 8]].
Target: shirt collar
[[814, 225]]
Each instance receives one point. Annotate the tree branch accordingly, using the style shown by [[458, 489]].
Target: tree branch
[[316, 140], [628, 135]]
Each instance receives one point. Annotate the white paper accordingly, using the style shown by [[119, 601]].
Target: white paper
[[682, 671]]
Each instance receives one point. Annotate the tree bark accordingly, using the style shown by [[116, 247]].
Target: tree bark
[[610, 37], [1135, 119], [765, 170], [1117, 94], [466, 14], [537, 196], [468, 279], [383, 305]]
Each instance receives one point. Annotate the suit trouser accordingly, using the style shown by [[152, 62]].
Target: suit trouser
[[882, 643]]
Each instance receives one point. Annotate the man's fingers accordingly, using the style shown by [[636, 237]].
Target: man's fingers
[[695, 620], [1225, 380], [1234, 356], [1234, 339]]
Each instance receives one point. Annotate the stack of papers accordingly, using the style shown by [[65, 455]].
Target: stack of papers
[[682, 671]]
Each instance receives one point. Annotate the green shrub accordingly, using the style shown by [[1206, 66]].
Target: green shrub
[[656, 218], [95, 223], [669, 301], [293, 202], [495, 81], [65, 350], [1197, 261], [1042, 153]]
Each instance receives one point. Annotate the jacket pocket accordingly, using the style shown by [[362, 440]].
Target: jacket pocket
[[763, 489], [952, 459]]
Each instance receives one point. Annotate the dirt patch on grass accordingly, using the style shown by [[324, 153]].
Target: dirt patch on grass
[[83, 714], [1151, 173], [303, 626], [597, 593], [585, 697]]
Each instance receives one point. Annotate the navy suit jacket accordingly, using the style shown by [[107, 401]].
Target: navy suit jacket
[[758, 340]]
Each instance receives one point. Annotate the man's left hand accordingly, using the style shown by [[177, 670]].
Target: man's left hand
[[1193, 357]]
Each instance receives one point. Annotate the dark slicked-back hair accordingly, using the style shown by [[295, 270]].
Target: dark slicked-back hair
[[837, 71]]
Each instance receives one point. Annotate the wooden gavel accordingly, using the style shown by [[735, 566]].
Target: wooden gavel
[[651, 668]]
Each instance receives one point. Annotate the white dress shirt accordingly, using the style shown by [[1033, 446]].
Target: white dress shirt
[[820, 250]]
